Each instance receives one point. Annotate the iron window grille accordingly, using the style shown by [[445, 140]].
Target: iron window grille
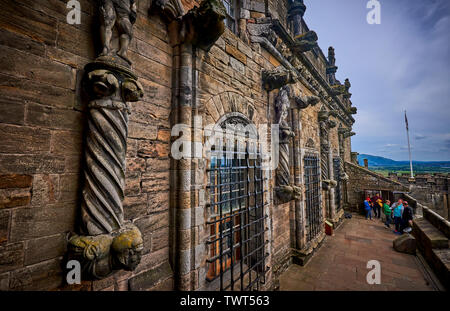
[[236, 245], [312, 195], [231, 11], [338, 189]]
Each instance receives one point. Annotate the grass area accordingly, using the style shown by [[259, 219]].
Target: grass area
[[385, 170]]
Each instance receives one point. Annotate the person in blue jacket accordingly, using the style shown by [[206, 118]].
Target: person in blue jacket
[[397, 212], [368, 208]]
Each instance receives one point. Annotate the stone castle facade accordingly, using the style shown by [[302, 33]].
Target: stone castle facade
[[87, 168]]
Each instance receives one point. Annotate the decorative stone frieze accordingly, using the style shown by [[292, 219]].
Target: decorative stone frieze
[[106, 242]]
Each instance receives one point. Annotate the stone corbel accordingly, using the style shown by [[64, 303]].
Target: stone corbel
[[200, 26], [304, 101], [348, 134], [352, 110], [277, 78], [338, 89], [305, 42], [328, 184], [105, 241]]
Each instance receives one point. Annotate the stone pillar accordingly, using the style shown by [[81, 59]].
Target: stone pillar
[[106, 242], [197, 29], [326, 161]]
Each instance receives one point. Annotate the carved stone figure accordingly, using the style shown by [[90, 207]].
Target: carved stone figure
[[331, 68], [325, 124], [284, 190], [121, 14], [101, 254], [347, 84], [274, 79], [106, 242]]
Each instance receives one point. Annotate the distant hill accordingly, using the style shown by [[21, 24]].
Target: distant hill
[[377, 162]]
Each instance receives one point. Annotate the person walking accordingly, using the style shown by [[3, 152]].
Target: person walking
[[397, 211], [368, 208], [387, 212], [379, 206]]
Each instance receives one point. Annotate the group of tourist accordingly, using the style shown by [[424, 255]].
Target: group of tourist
[[399, 212]]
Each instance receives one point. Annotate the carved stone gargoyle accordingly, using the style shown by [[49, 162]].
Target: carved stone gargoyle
[[105, 241], [274, 79], [305, 42]]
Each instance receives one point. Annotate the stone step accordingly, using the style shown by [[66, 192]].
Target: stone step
[[441, 264], [428, 236]]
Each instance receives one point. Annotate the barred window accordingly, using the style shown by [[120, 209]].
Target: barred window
[[232, 11], [312, 196], [236, 245]]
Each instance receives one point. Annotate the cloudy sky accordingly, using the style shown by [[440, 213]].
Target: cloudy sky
[[403, 63]]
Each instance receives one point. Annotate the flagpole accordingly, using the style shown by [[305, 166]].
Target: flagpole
[[409, 146]]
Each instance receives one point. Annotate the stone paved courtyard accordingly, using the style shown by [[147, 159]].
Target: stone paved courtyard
[[340, 264]]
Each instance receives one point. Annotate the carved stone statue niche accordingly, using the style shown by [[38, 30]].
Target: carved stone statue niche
[[122, 15], [284, 190], [106, 242]]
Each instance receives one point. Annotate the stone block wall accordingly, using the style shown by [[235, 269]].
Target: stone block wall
[[361, 179], [43, 111], [42, 118]]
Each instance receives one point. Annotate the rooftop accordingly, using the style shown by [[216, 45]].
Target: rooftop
[[341, 262]]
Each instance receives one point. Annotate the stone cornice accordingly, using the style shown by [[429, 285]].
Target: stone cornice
[[263, 31]]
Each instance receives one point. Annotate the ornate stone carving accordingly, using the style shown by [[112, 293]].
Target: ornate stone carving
[[325, 124], [284, 189], [304, 101], [347, 84], [107, 242], [305, 42], [331, 68], [274, 79], [201, 26], [120, 14]]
